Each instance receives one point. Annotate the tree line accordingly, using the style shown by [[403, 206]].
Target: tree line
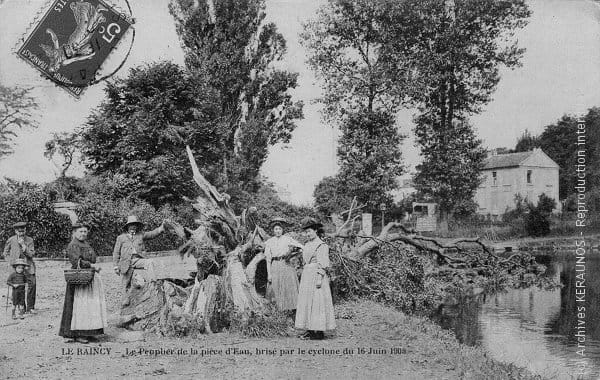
[[230, 102]]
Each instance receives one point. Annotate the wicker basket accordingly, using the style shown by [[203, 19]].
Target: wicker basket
[[79, 276]]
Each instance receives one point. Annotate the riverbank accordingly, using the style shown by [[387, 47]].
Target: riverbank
[[371, 341], [549, 244]]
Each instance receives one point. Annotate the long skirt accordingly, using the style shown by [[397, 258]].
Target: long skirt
[[285, 285], [315, 306], [84, 310]]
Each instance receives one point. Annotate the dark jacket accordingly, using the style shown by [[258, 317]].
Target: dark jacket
[[14, 251], [80, 250]]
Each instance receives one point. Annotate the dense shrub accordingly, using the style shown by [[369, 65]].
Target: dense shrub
[[23, 201], [107, 218], [537, 221], [390, 275]]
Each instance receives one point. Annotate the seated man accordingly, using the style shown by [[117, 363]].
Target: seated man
[[129, 252]]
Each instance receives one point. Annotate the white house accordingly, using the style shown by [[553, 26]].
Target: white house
[[505, 175]]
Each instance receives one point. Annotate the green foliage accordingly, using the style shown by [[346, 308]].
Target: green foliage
[[330, 196], [107, 217], [24, 201], [558, 141], [139, 132], [363, 88], [65, 145], [17, 107], [526, 142], [234, 56], [348, 44], [452, 163], [592, 123], [390, 275], [65, 189], [370, 163], [269, 205], [537, 221], [370, 157], [455, 49]]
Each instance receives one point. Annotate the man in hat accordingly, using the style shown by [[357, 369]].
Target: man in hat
[[129, 252], [20, 246]]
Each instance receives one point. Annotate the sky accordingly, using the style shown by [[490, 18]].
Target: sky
[[559, 75]]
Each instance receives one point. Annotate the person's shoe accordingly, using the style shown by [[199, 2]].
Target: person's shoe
[[69, 340], [306, 335], [318, 335], [14, 315], [81, 340]]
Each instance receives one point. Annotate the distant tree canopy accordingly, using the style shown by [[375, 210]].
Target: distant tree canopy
[[526, 142], [559, 142], [17, 107]]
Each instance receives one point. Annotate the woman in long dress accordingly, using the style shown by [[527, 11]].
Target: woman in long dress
[[84, 310], [314, 312], [281, 275]]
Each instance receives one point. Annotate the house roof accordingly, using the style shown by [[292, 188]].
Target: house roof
[[506, 160]]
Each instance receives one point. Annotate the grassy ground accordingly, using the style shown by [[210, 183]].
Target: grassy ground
[[371, 341]]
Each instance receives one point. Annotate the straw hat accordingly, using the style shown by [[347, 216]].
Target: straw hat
[[132, 219], [20, 225], [278, 221], [20, 262]]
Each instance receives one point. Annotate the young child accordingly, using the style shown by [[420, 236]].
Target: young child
[[17, 281]]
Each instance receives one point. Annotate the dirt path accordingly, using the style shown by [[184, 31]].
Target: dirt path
[[31, 348]]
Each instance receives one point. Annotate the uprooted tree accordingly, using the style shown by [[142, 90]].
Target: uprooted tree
[[225, 252]]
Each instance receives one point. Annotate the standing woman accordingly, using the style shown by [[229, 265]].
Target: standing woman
[[280, 274], [84, 311], [315, 305]]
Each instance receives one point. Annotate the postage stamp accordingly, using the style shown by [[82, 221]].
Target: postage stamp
[[72, 41]]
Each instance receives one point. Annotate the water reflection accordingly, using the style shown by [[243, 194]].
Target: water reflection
[[536, 328]]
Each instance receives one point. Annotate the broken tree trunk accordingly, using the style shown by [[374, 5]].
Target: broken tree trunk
[[216, 249]]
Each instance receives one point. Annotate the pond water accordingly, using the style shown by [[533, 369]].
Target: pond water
[[536, 328]]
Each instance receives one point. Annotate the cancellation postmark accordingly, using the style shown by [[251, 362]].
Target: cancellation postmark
[[72, 40]]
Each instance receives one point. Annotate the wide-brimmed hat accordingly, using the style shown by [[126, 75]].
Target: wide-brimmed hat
[[278, 221], [20, 262], [132, 219], [20, 225], [311, 223]]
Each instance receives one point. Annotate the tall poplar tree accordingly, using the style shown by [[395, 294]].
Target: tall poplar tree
[[455, 49], [231, 49], [346, 45]]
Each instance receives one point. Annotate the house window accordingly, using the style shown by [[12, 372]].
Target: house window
[[529, 177], [494, 178]]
